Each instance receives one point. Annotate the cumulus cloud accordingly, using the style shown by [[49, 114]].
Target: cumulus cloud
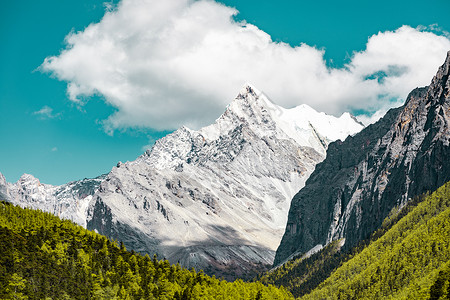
[[46, 112], [163, 64]]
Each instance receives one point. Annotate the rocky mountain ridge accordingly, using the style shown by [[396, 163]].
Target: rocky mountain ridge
[[67, 201], [368, 175], [213, 199], [216, 198]]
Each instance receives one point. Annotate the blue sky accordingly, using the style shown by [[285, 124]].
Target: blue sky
[[58, 136]]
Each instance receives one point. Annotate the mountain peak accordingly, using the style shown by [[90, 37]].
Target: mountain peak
[[447, 61], [440, 85], [246, 89], [302, 123], [27, 177], [445, 68], [2, 181], [248, 96]]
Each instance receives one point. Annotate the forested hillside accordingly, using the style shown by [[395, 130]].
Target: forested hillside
[[410, 261], [42, 257]]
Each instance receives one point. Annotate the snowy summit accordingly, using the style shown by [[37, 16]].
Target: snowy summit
[[210, 199]]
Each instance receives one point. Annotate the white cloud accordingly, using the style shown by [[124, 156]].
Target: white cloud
[[46, 112], [54, 149], [168, 63]]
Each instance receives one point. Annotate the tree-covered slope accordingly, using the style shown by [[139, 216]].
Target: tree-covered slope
[[410, 261], [42, 257], [301, 275]]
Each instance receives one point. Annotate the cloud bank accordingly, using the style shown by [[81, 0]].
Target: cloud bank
[[163, 64]]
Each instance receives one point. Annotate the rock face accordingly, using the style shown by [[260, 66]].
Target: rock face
[[363, 178], [214, 199]]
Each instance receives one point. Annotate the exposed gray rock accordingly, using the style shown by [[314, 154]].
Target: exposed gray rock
[[349, 194]]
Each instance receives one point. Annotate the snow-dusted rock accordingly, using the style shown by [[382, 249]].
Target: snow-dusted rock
[[68, 201], [216, 198], [198, 196]]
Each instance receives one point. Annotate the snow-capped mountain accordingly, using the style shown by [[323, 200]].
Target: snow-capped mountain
[[67, 201], [216, 198]]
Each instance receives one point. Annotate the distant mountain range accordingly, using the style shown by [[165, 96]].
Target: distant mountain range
[[214, 199]]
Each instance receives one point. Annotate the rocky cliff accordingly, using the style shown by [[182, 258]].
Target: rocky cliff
[[362, 179]]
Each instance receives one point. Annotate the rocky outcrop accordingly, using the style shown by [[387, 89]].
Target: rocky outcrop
[[363, 178]]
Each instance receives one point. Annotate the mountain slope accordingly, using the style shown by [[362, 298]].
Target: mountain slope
[[353, 190], [405, 263], [215, 198]]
